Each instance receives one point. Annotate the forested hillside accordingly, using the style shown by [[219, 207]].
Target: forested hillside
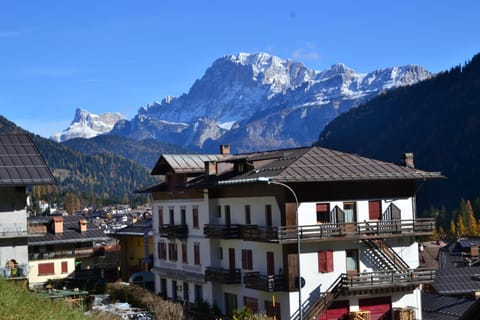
[[144, 152], [86, 179], [438, 120]]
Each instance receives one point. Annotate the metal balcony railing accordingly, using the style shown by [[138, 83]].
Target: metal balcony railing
[[173, 231], [269, 283], [226, 276]]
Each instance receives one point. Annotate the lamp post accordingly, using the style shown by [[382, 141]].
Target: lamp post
[[271, 181], [299, 283]]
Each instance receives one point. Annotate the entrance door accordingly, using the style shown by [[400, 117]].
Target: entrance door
[[338, 310], [379, 307], [228, 217], [185, 292]]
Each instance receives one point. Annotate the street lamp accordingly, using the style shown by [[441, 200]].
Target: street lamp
[[299, 283], [271, 181]]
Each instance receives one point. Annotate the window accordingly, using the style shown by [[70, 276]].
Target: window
[[251, 304], [323, 212], [350, 210], [325, 261], [162, 250], [64, 267], [171, 216], [352, 260], [198, 292], [195, 217], [184, 252], [268, 215], [220, 253], [196, 253], [174, 290], [183, 215], [46, 269], [228, 217], [248, 218], [247, 263], [271, 310], [172, 251], [219, 211], [230, 303], [160, 216], [374, 210]]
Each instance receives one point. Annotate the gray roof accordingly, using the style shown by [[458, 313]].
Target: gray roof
[[439, 307], [316, 164], [183, 163], [21, 162], [71, 232], [456, 281], [139, 228]]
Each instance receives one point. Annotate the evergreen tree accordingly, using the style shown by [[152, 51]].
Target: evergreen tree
[[472, 226], [452, 231], [461, 230]]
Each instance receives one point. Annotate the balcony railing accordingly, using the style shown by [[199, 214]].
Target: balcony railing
[[173, 231], [225, 276], [387, 278], [269, 283], [366, 229], [241, 231], [19, 271], [13, 230]]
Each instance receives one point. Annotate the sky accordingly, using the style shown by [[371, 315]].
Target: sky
[[117, 56]]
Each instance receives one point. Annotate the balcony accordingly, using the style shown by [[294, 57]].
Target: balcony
[[225, 276], [173, 231], [241, 231], [390, 279], [269, 283], [358, 230], [14, 272]]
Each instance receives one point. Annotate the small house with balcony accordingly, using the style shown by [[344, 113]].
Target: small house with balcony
[[293, 233], [21, 166], [62, 247]]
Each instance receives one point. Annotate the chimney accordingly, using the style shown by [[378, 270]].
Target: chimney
[[210, 168], [57, 224], [225, 149], [407, 160], [82, 225]]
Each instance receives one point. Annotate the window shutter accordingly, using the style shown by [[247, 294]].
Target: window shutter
[[325, 261], [374, 210]]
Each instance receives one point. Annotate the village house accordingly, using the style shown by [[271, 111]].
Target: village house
[[245, 231], [21, 166]]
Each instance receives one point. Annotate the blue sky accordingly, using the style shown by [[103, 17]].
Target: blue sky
[[116, 56]]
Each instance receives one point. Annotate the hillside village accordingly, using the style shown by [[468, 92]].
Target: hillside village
[[296, 233]]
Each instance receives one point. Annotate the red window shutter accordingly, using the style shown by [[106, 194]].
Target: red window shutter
[[64, 267], [374, 210], [46, 268], [195, 217], [322, 207], [325, 261], [329, 255], [160, 216]]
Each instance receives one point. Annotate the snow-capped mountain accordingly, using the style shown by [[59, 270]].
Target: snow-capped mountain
[[88, 125], [259, 101]]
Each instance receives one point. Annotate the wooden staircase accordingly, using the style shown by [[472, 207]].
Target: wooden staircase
[[326, 299]]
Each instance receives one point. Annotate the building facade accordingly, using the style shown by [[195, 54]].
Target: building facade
[[226, 232], [21, 166]]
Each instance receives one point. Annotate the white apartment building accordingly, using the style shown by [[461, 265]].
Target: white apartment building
[[226, 232]]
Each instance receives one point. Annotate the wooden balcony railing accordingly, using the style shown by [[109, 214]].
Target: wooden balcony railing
[[173, 231], [325, 231], [226, 276], [269, 283], [366, 229], [241, 231], [387, 278]]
